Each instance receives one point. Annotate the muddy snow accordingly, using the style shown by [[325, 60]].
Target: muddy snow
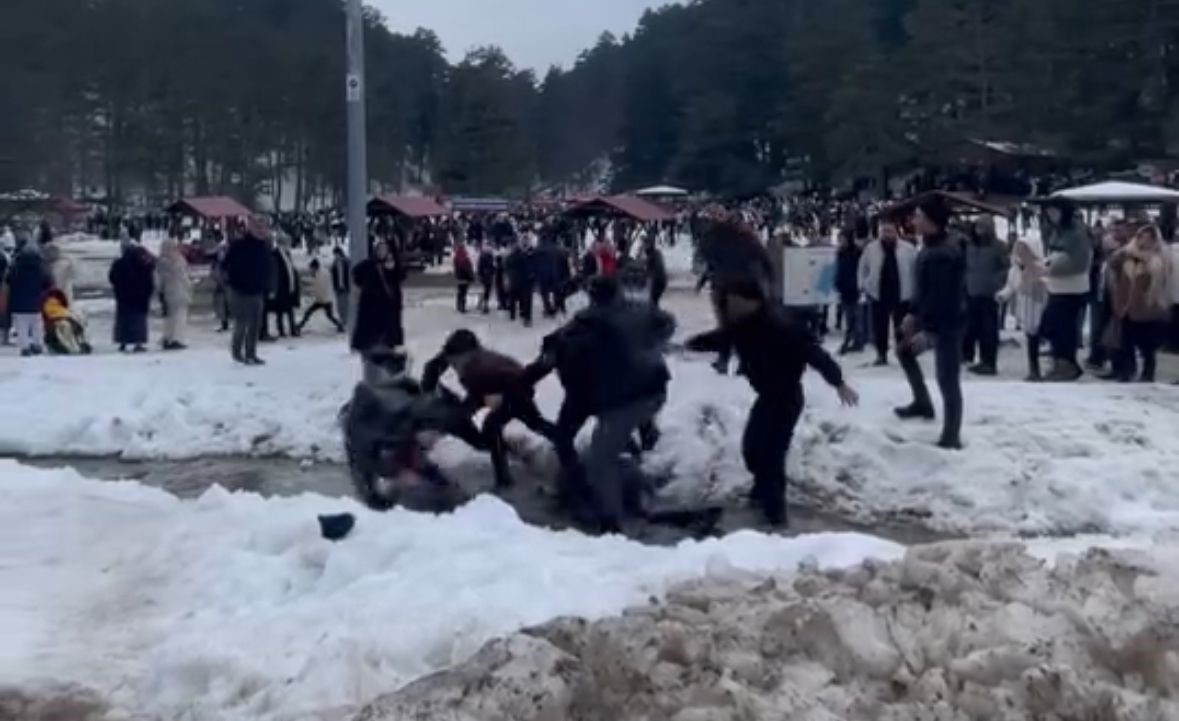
[[951, 632]]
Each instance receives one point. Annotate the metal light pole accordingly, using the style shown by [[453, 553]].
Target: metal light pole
[[357, 140]]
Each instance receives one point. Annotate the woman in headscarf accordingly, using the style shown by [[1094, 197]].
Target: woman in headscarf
[[1139, 277], [176, 287], [132, 276], [378, 313]]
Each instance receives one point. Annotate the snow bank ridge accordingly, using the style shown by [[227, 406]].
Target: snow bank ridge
[[954, 632]]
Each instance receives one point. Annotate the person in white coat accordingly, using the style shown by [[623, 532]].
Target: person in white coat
[[887, 275], [1027, 291], [176, 287], [61, 270]]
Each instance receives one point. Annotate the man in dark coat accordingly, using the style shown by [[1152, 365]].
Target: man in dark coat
[[27, 282], [847, 284], [249, 271], [379, 308], [485, 269], [937, 321], [547, 259], [520, 269], [132, 276], [342, 283], [286, 292], [655, 267], [774, 350], [491, 380], [610, 361]]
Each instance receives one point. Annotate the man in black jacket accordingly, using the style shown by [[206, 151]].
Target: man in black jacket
[[520, 269], [609, 359], [656, 268], [774, 350], [937, 321], [248, 274]]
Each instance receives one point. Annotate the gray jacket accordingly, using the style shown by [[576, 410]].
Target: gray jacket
[[987, 263]]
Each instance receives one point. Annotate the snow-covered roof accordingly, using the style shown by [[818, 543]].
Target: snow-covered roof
[[1118, 191], [664, 190]]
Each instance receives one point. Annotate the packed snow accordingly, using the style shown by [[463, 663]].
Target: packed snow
[[957, 631], [232, 606], [1092, 458]]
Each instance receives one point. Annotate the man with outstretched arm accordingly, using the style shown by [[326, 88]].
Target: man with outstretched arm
[[774, 351]]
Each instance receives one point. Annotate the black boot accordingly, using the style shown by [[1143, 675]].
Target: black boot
[[922, 411]]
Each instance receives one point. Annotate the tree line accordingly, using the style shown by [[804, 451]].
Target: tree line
[[730, 96]]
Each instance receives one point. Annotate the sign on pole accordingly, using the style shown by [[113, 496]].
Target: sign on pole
[[808, 277]]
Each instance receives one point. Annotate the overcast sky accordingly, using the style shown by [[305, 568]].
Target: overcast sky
[[534, 33]]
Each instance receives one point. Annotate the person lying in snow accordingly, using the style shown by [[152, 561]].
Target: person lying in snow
[[774, 350], [65, 333], [492, 380], [389, 426]]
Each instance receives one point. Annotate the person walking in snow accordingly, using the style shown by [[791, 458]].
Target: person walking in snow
[[342, 282], [987, 263], [132, 276], [322, 297], [27, 283], [1140, 277], [847, 284], [520, 269], [936, 321], [464, 275], [176, 288], [248, 275], [486, 271], [887, 275], [1026, 291], [656, 268], [774, 350], [1067, 260]]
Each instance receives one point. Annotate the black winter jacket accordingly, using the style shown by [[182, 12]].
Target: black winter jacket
[[939, 301], [774, 350], [249, 266], [133, 278]]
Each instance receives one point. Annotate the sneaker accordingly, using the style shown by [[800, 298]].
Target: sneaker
[[983, 370], [915, 411]]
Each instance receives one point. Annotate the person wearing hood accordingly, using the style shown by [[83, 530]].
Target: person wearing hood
[[132, 276], [61, 270], [987, 263], [936, 321], [1068, 258], [176, 288], [379, 304], [1139, 277], [774, 350], [27, 283]]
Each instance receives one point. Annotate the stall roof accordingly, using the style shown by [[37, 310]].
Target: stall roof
[[666, 191], [406, 205], [210, 208], [1117, 191], [480, 205], [962, 202], [630, 206]]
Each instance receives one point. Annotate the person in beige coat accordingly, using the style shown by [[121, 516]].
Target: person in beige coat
[[1139, 276], [176, 287]]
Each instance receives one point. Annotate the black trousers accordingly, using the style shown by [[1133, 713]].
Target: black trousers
[[768, 434], [982, 331], [485, 299], [520, 303], [947, 349], [327, 309], [550, 299], [1099, 318], [884, 314], [657, 291], [1033, 350], [1140, 338], [1061, 325], [279, 317], [515, 407], [461, 297]]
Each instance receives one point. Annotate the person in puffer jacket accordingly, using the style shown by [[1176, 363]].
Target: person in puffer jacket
[[1068, 255]]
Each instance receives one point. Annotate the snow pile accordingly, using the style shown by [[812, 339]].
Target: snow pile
[[951, 632], [232, 607]]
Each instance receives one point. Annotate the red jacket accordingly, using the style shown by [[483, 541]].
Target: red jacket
[[464, 269], [607, 261]]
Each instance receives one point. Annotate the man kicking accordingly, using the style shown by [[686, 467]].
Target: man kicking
[[492, 380]]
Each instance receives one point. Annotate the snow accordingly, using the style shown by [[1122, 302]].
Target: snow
[[231, 607], [1090, 458], [1117, 191]]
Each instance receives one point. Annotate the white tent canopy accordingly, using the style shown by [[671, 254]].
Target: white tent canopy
[[1116, 191], [665, 191]]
